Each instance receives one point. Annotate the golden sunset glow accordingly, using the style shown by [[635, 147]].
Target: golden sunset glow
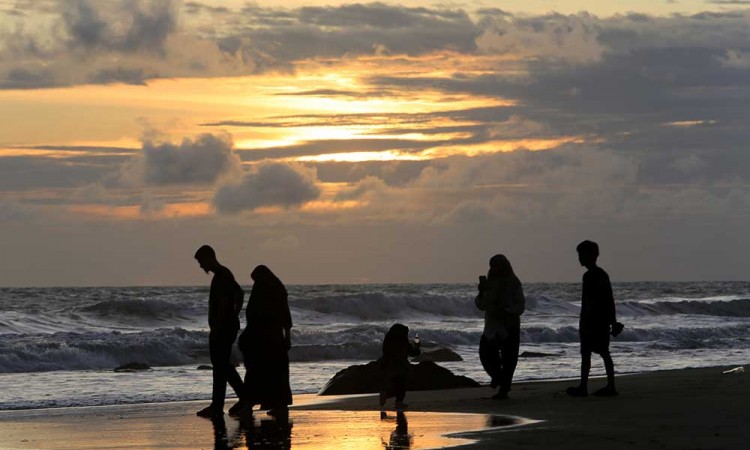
[[271, 117]]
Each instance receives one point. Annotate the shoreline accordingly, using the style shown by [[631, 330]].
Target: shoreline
[[683, 408], [301, 395]]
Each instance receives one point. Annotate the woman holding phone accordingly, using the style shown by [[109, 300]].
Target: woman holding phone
[[502, 300]]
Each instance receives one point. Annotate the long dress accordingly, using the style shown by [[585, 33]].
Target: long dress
[[264, 347]]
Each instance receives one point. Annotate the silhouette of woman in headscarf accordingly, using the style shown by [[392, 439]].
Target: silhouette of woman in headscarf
[[265, 343], [502, 300]]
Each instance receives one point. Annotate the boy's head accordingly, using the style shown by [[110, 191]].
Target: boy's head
[[588, 252]]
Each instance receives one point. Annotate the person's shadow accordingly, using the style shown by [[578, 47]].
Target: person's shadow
[[221, 438], [268, 433], [400, 437]]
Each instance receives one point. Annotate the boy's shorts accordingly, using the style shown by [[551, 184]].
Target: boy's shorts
[[594, 339]]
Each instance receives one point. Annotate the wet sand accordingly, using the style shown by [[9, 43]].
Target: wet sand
[[683, 409]]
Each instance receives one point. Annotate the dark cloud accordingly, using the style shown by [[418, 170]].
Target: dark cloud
[[270, 184], [194, 161], [393, 173], [120, 75], [28, 79], [334, 31], [82, 148], [132, 42], [198, 8], [119, 26], [87, 41], [25, 173]]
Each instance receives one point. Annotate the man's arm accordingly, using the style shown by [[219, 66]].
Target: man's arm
[[228, 300]]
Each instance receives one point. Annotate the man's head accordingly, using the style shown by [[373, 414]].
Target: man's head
[[206, 258], [588, 252]]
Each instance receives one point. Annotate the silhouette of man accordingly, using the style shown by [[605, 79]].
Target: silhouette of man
[[224, 304], [596, 320]]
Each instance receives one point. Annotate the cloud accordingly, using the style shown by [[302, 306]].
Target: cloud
[[64, 43], [269, 184], [135, 76], [288, 35], [88, 41], [14, 211], [25, 173], [365, 186], [193, 161], [572, 38], [281, 244], [119, 26]]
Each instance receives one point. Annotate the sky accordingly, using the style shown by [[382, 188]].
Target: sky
[[385, 142]]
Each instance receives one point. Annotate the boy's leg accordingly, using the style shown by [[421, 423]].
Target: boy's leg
[[585, 369], [609, 390], [609, 366], [582, 389]]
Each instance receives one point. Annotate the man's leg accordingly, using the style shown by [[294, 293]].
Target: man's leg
[[235, 380], [220, 355]]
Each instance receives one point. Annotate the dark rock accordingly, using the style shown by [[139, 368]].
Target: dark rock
[[204, 367], [132, 367], [438, 354], [366, 378]]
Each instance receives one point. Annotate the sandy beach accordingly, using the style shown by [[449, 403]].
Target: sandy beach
[[682, 409]]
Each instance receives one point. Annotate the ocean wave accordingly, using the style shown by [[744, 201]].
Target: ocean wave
[[176, 346], [82, 351], [374, 306], [141, 309], [703, 307]]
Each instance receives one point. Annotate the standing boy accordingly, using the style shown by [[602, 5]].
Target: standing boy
[[597, 320], [224, 304]]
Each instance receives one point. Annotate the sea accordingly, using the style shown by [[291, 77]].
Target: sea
[[59, 346]]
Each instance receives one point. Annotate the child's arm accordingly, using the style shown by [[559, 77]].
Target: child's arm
[[608, 299]]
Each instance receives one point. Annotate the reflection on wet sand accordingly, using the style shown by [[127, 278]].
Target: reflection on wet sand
[[351, 429], [400, 437]]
